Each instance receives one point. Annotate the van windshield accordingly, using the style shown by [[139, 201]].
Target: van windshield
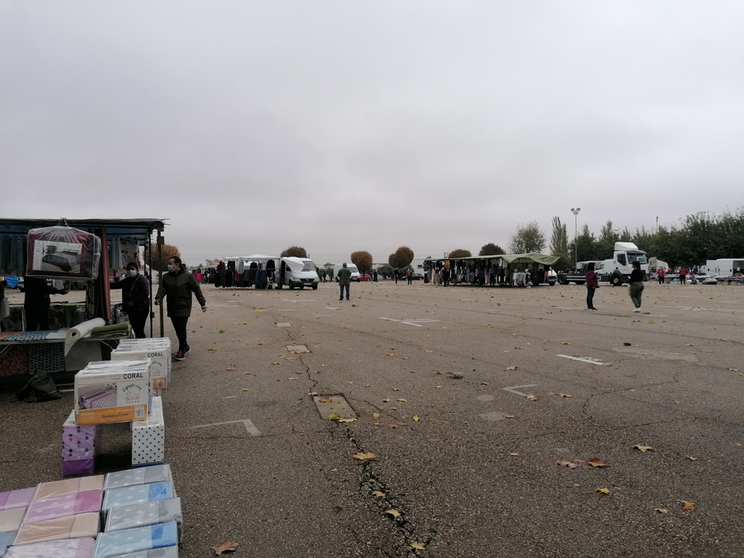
[[639, 257], [309, 266]]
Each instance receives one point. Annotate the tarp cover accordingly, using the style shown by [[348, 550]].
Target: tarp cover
[[295, 264], [529, 258]]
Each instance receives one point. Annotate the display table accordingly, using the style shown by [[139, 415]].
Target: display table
[[24, 352]]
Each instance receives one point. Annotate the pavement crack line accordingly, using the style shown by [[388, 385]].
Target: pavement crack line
[[371, 481]]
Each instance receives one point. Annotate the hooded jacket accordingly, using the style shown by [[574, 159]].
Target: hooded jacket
[[177, 288]]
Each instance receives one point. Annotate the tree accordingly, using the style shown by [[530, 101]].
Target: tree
[[460, 253], [559, 245], [386, 271], [166, 253], [402, 257], [363, 260], [607, 239], [527, 239], [586, 247], [294, 252], [491, 249]]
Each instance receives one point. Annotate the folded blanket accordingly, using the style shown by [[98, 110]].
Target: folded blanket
[[112, 331]]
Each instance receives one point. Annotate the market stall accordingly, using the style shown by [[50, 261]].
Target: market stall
[[81, 253]]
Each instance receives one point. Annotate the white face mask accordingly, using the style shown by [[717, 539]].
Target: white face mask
[[132, 273]]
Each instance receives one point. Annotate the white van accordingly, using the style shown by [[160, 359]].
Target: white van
[[296, 272], [355, 276]]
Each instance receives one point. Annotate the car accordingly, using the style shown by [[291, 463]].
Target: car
[[365, 277], [417, 277]]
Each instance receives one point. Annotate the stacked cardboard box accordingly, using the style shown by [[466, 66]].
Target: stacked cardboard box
[[156, 349]]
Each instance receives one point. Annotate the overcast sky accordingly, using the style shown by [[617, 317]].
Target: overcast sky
[[342, 126]]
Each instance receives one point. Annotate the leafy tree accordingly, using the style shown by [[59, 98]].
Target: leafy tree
[[402, 257], [527, 239], [363, 260], [559, 244], [166, 252], [586, 247], [491, 249], [386, 271], [294, 252], [607, 239], [460, 253]]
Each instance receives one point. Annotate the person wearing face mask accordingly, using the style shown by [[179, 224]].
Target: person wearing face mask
[[135, 297], [178, 285]]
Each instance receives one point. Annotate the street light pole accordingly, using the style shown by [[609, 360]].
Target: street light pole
[[575, 211]]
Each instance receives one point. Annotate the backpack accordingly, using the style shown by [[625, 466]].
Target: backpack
[[40, 387]]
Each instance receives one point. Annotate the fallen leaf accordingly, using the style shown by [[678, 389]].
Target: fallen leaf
[[603, 490], [337, 509], [222, 331], [325, 400], [510, 368], [386, 400], [212, 349], [275, 363], [565, 343], [390, 354], [514, 454], [231, 368], [484, 383], [246, 389], [293, 378], [416, 418], [508, 416], [334, 416], [596, 463], [364, 456], [418, 546], [560, 394], [565, 463], [346, 420], [626, 344], [401, 400], [225, 546], [246, 373], [692, 458], [394, 513], [531, 397], [378, 494], [661, 510], [643, 448], [688, 505]]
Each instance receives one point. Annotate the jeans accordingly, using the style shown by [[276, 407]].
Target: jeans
[[180, 325], [590, 298], [341, 295], [636, 292]]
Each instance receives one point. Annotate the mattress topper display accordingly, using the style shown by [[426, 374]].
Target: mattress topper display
[[62, 252]]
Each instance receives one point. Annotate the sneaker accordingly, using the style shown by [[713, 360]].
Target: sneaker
[[187, 351], [179, 356], [636, 309]]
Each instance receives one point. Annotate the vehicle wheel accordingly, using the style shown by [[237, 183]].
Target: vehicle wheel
[[302, 287], [291, 287], [562, 280], [315, 287], [279, 286], [579, 282], [616, 281], [551, 283]]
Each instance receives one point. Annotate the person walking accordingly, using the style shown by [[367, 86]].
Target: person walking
[[396, 274], [636, 286], [683, 276], [178, 285], [592, 284], [409, 276], [344, 281], [660, 273], [135, 298]]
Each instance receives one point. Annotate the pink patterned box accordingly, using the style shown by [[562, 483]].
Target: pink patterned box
[[78, 442], [58, 488], [68, 548], [61, 506], [70, 527], [16, 498]]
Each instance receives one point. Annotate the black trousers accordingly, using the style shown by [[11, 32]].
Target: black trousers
[[181, 325], [138, 319], [341, 295], [37, 317], [590, 298]]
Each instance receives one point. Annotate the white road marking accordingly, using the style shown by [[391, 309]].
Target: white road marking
[[249, 426], [513, 389], [296, 301], [590, 360], [331, 308], [411, 321]]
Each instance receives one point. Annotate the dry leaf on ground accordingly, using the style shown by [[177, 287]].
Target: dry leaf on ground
[[596, 463], [364, 456], [510, 368], [416, 418], [418, 546], [225, 546], [560, 394], [661, 510], [644, 449], [231, 368], [394, 513], [688, 505], [378, 494], [508, 416], [326, 400], [566, 463], [531, 397], [603, 490]]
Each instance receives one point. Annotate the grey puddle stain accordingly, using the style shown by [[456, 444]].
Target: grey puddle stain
[[330, 404]]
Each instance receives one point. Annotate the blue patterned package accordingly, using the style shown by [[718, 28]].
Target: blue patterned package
[[142, 475], [6, 539], [139, 494], [167, 552], [149, 513], [116, 543]]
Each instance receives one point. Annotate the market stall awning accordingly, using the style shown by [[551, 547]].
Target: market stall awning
[[529, 258], [131, 228]]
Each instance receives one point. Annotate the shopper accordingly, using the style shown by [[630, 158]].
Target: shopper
[[636, 286], [36, 302], [344, 281], [660, 274], [683, 276], [592, 284], [135, 298], [409, 276], [178, 285]]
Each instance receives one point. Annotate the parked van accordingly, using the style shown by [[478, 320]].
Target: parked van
[[296, 272], [355, 276]]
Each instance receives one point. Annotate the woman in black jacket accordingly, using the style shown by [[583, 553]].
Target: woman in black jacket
[[135, 296], [636, 286]]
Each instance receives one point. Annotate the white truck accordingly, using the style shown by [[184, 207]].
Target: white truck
[[296, 272], [617, 270]]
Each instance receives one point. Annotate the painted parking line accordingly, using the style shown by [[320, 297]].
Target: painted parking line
[[411, 321], [513, 389], [590, 360], [249, 426], [297, 301]]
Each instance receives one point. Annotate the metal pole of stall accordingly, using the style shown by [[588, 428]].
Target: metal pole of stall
[[161, 241], [148, 258]]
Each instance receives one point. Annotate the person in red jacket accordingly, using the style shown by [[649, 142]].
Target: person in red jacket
[[592, 284], [683, 276]]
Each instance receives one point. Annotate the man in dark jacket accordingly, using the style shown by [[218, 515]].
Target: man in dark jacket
[[177, 285], [344, 280], [36, 302]]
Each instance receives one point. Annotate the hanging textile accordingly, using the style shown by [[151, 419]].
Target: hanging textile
[[102, 302]]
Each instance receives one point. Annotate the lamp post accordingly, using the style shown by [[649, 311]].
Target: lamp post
[[575, 211]]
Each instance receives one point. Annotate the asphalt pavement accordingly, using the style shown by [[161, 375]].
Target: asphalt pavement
[[488, 422]]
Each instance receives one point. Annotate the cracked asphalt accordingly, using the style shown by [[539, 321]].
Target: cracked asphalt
[[469, 464]]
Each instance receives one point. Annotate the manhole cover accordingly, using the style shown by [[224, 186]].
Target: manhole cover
[[329, 404], [298, 349]]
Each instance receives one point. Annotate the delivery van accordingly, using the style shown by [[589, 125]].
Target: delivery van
[[296, 272]]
